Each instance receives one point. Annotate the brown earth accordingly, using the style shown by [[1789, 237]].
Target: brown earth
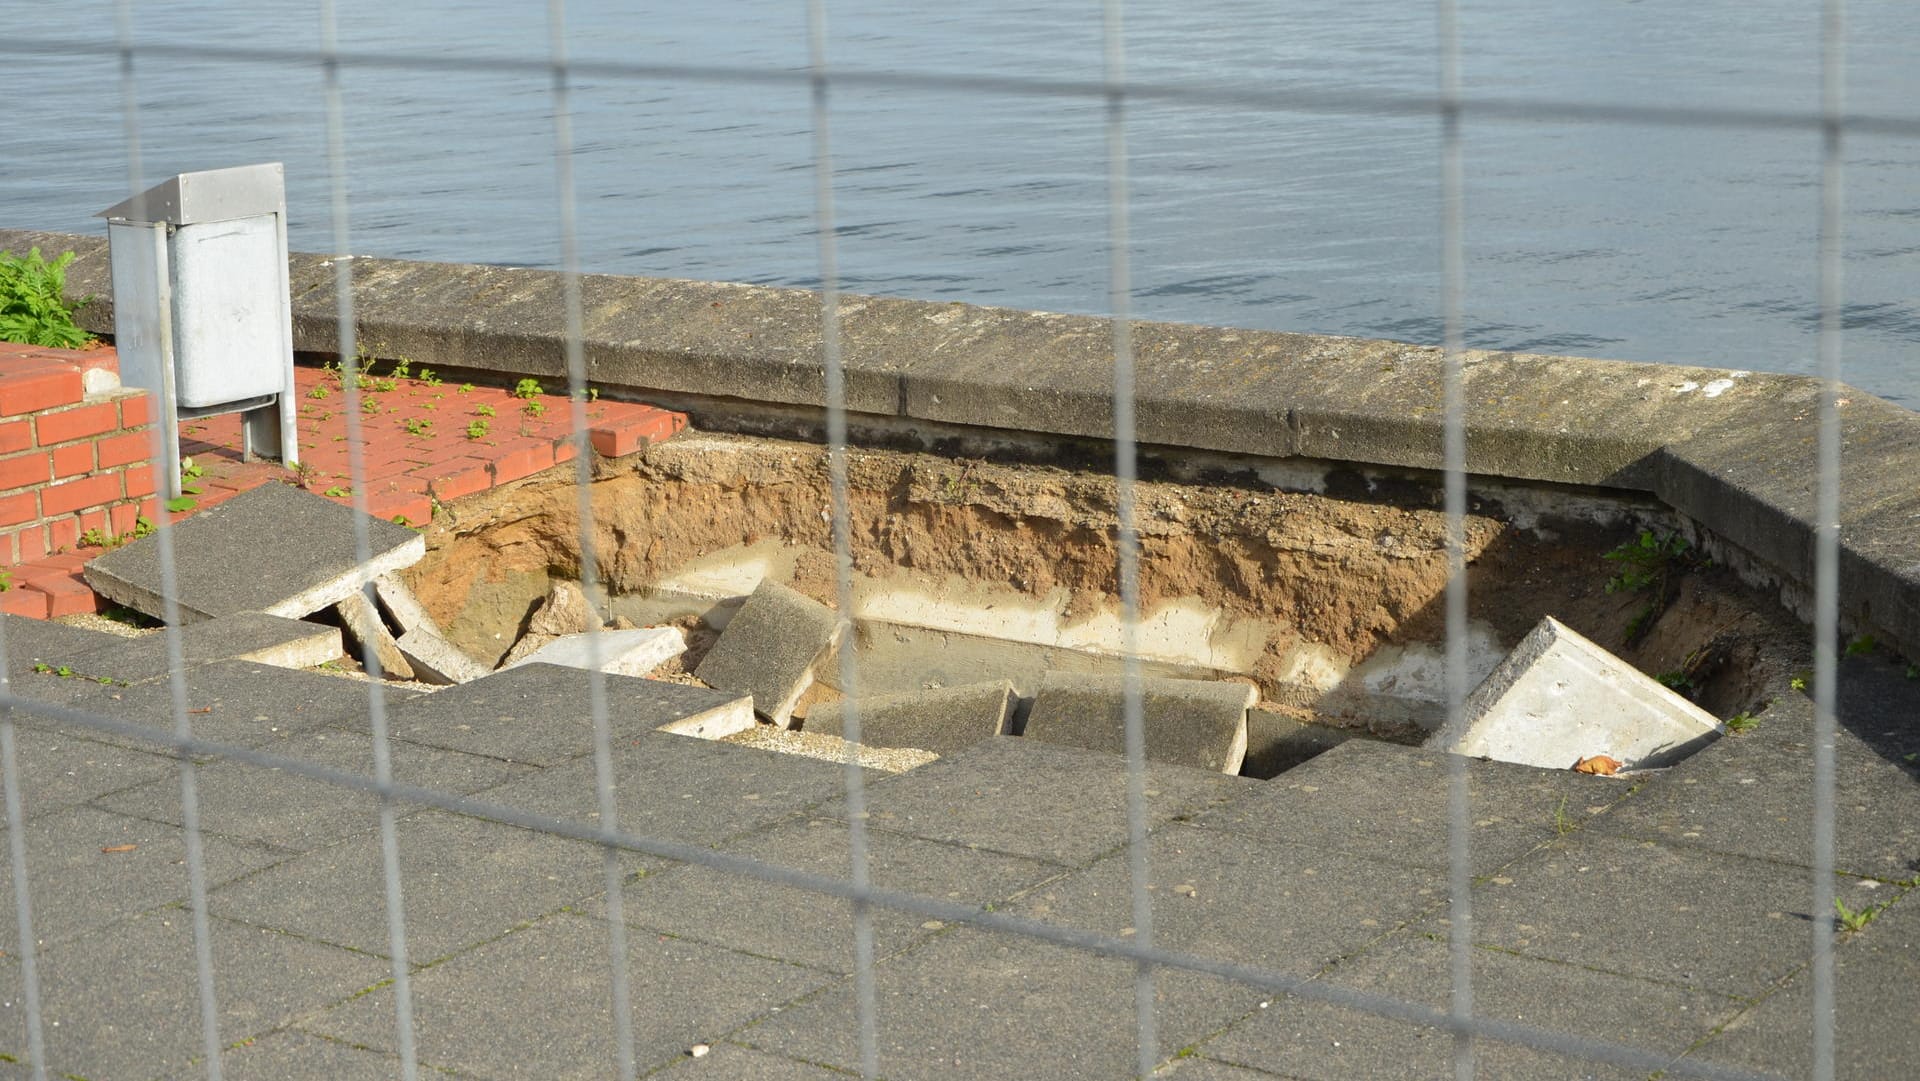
[[1347, 573]]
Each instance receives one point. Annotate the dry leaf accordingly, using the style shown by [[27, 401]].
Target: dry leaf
[[1598, 764], [119, 848], [202, 709]]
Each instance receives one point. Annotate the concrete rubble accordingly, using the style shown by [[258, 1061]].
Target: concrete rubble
[[1197, 723], [367, 631], [944, 720], [564, 611], [633, 652], [295, 551], [1558, 698], [769, 649]]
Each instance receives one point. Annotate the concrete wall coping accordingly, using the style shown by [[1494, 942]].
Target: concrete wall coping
[[1732, 450]]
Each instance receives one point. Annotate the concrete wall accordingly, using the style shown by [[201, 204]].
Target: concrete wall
[[1733, 451]]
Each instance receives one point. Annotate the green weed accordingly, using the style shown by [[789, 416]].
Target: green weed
[[477, 430], [527, 388], [418, 427], [483, 410], [33, 306], [1861, 646], [337, 492], [1855, 919], [1741, 721]]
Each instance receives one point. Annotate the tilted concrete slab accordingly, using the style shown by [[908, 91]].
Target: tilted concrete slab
[[622, 653], [366, 631], [1188, 722], [769, 649], [1558, 698], [944, 720], [433, 658], [246, 636], [542, 713], [274, 549]]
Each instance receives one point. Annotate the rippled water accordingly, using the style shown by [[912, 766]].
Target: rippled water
[[1617, 240]]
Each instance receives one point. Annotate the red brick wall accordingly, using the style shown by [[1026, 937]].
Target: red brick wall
[[68, 462]]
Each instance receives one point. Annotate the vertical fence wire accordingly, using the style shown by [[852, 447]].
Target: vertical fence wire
[[17, 864], [362, 536], [1826, 572], [841, 514], [604, 782], [1454, 453], [1126, 468], [207, 997]]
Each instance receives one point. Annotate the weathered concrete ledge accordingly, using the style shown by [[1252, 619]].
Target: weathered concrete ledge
[[1734, 451]]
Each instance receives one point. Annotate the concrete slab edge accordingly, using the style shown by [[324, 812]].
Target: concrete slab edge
[[1665, 429]]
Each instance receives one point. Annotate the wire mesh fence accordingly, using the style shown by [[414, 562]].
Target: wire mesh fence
[[1151, 964]]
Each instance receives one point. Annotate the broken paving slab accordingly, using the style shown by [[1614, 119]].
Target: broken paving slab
[[1559, 698], [432, 657], [275, 549], [367, 631], [1188, 722], [769, 649], [622, 653], [543, 713], [943, 720], [247, 636]]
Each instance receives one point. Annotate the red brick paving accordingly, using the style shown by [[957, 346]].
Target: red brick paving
[[423, 443]]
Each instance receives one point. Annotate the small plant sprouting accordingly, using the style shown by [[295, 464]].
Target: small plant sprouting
[[1678, 681], [1913, 671], [400, 368], [6, 580], [1861, 646], [319, 391], [465, 388], [1563, 824], [337, 492], [483, 410], [1741, 721], [428, 376], [1852, 920], [1649, 563], [1801, 681], [370, 406], [181, 504], [527, 388], [477, 430], [418, 427], [60, 670], [534, 407]]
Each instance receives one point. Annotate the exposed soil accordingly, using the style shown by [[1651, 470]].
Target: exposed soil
[[1346, 572]]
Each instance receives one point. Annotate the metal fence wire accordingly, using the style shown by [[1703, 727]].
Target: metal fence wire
[[1447, 108]]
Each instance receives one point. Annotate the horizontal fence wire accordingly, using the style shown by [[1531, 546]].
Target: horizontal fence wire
[[1116, 93], [1304, 98], [1093, 942]]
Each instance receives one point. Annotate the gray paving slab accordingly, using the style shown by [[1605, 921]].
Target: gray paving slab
[[228, 701], [83, 877], [1300, 1037], [1188, 722], [543, 714], [1288, 908], [677, 788], [291, 1055], [943, 720], [1390, 802], [463, 881], [736, 1063], [975, 1005], [1558, 697], [251, 803], [121, 1004], [769, 648], [274, 549], [59, 770], [1875, 1034], [473, 1012], [807, 928], [1197, 1068], [1686, 916], [1754, 798], [1013, 795], [42, 641], [1277, 743], [245, 636]]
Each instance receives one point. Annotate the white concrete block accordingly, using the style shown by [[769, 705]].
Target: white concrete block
[[1558, 698], [622, 653]]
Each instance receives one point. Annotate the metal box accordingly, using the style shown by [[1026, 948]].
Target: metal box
[[201, 309]]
